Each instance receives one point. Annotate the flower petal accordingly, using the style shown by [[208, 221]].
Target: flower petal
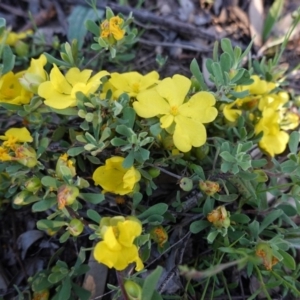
[[150, 104], [128, 231], [174, 90], [22, 134], [166, 121], [104, 255], [148, 80], [200, 108], [59, 82], [74, 75], [188, 133], [60, 102], [110, 240]]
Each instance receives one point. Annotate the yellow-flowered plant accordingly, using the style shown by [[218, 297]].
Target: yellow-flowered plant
[[182, 117], [35, 74], [13, 37], [117, 249], [114, 178], [132, 83], [60, 91], [112, 28], [11, 91]]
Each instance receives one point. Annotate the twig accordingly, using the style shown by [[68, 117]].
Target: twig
[[182, 46], [147, 16]]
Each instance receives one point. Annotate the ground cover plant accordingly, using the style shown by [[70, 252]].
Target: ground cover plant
[[182, 187]]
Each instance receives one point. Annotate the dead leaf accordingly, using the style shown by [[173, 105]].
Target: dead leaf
[[256, 18], [26, 239]]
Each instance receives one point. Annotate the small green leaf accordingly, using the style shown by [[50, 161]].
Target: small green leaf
[[272, 16], [198, 226], [93, 215], [195, 70], [269, 219], [44, 204], [75, 151], [240, 218], [294, 142], [159, 209], [288, 260], [92, 198], [150, 283], [212, 236]]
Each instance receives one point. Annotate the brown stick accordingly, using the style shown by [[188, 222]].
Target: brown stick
[[149, 17]]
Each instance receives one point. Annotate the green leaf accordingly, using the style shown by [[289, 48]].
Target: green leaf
[[254, 229], [77, 18], [65, 291], [269, 219], [56, 277], [198, 226], [49, 181], [43, 145], [226, 198], [80, 292], [227, 47], [240, 218], [272, 16], [226, 62], [159, 209], [92, 27], [75, 151], [52, 60], [288, 209], [8, 59], [49, 224], [217, 71], [150, 283], [92, 198], [288, 260], [43, 205], [212, 236], [195, 70], [294, 142], [93, 215]]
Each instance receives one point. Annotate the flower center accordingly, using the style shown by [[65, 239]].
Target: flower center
[[135, 87], [116, 231], [174, 110]]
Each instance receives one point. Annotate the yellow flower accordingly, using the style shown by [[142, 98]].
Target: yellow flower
[[112, 27], [117, 249], [35, 74], [289, 121], [231, 114], [13, 37], [14, 135], [132, 82], [274, 140], [114, 178], [258, 87], [166, 101], [11, 91], [219, 217], [4, 155], [60, 91]]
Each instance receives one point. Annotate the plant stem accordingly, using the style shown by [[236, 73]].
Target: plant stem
[[93, 58], [262, 283], [297, 292], [121, 285]]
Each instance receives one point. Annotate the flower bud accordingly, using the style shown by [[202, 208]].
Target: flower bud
[[219, 217], [159, 235], [41, 295], [154, 172], [209, 187], [168, 143], [201, 152], [186, 184], [31, 82], [66, 195], [133, 290], [20, 197], [21, 48], [75, 227], [33, 184], [64, 161], [26, 156], [264, 251]]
